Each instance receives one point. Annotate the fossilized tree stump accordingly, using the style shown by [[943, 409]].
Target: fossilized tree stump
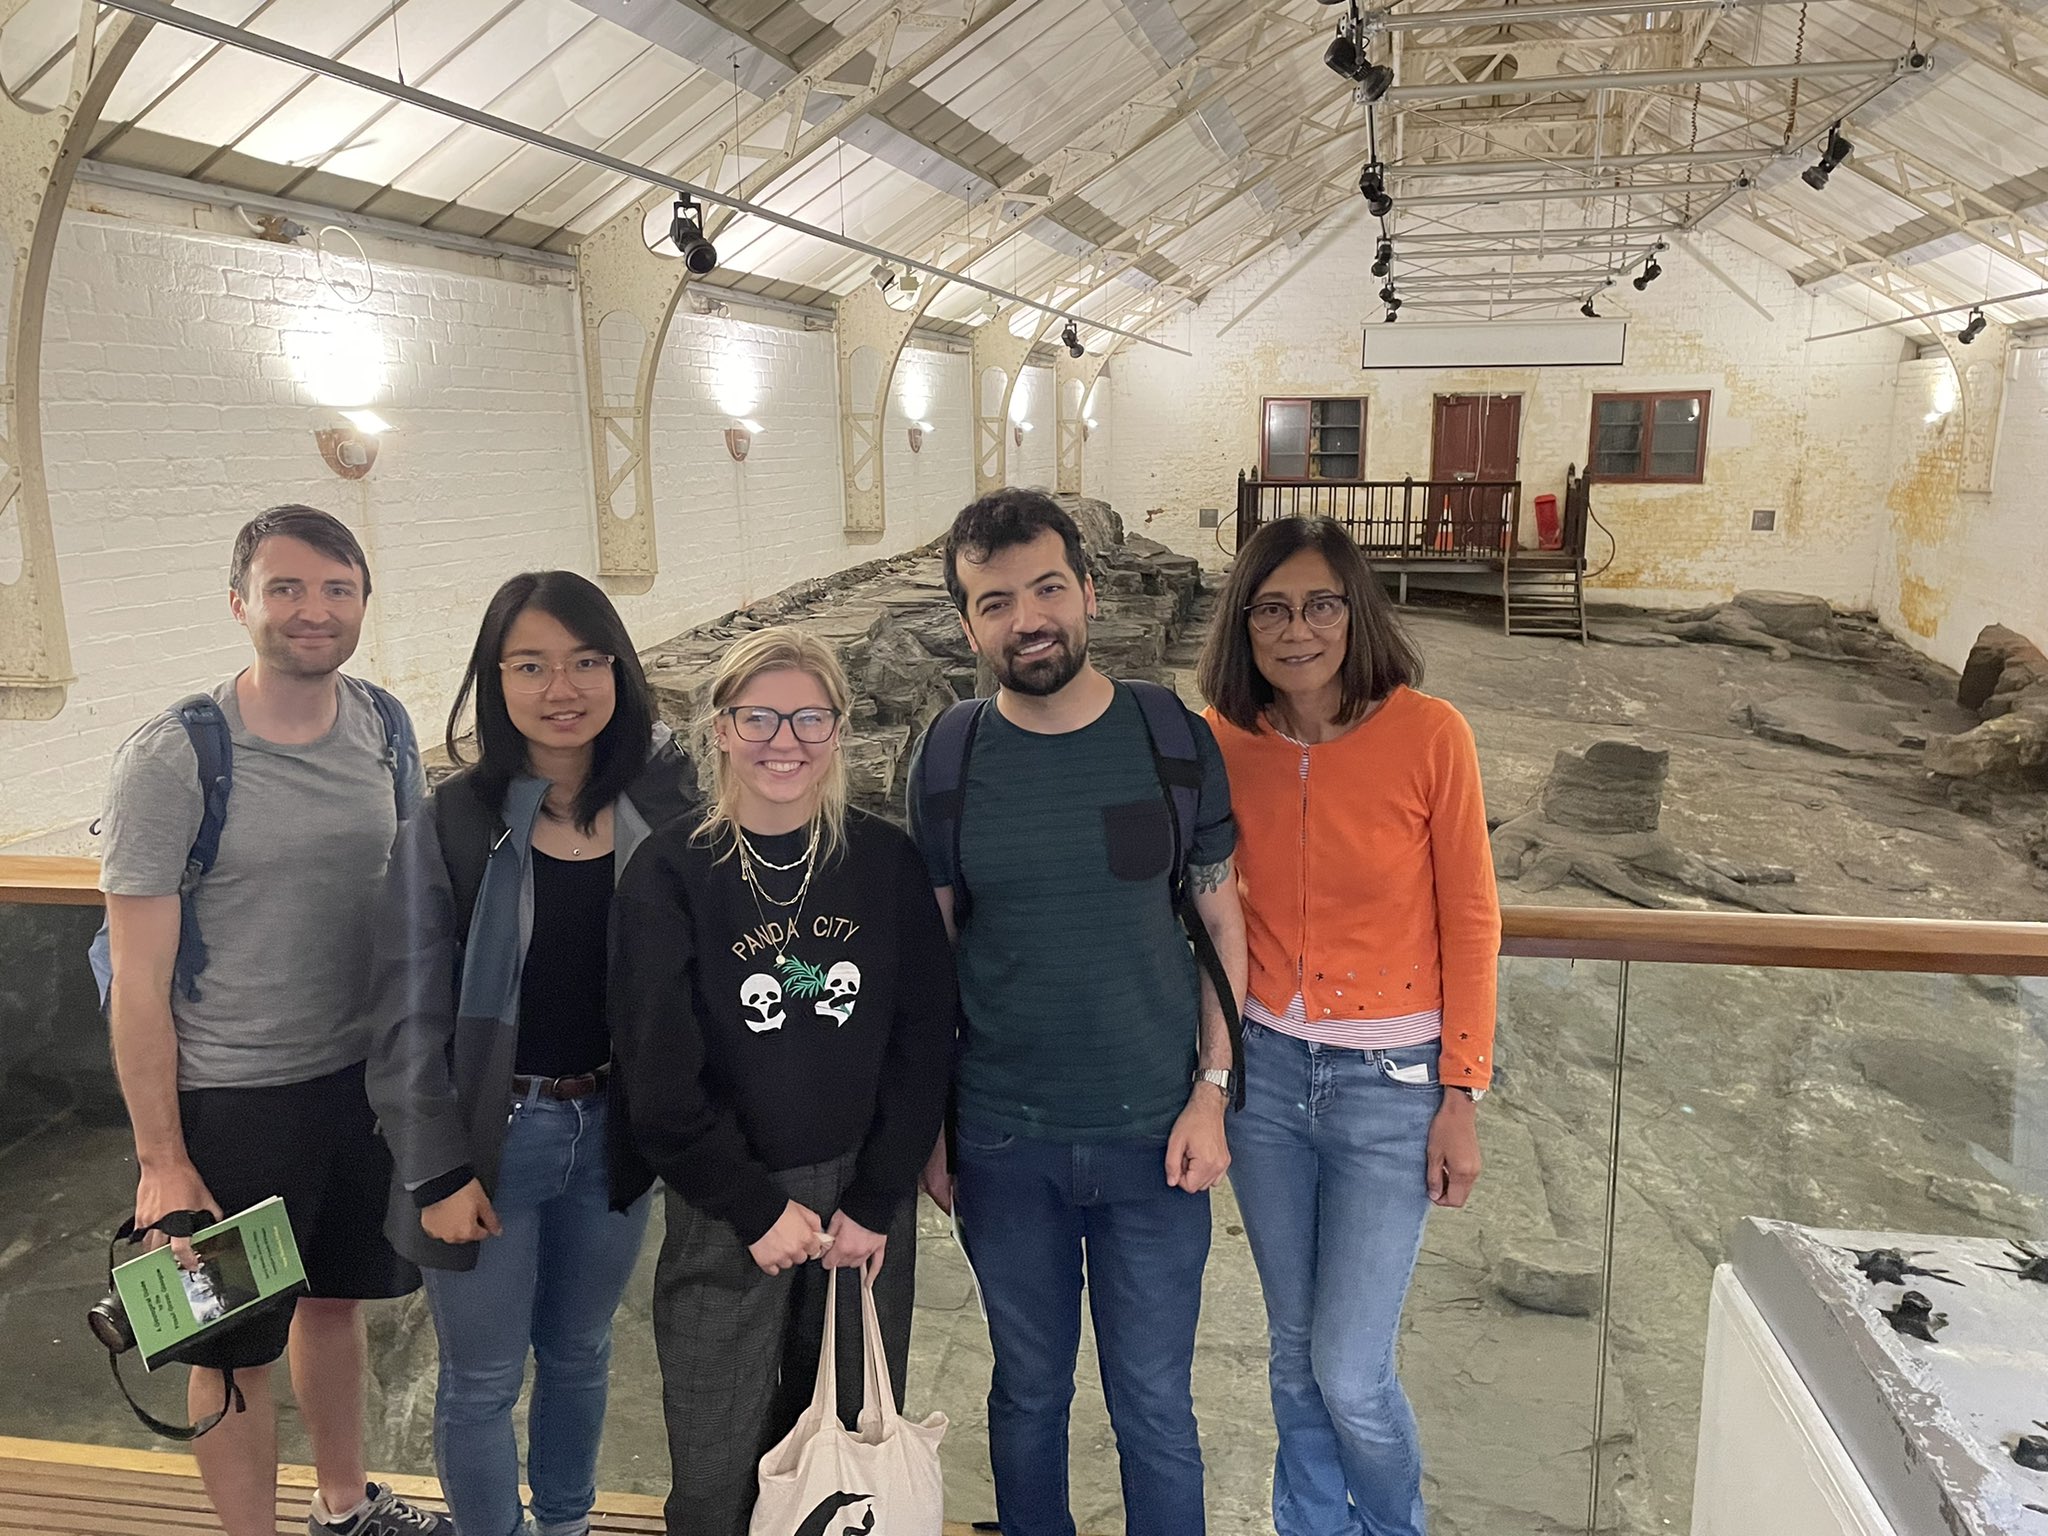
[[1596, 821]]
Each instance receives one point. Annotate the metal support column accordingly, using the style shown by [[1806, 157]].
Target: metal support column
[[39, 156], [1071, 412], [1000, 352]]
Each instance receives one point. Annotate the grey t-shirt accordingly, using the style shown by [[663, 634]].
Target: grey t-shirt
[[286, 912]]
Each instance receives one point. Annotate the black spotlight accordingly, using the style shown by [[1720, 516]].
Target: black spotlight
[[1070, 338], [686, 229], [1650, 273], [1973, 329], [1383, 259], [1372, 185], [1342, 55], [1833, 154], [1589, 311], [1387, 295], [1392, 314]]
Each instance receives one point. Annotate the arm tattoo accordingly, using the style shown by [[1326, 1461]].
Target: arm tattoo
[[1208, 877]]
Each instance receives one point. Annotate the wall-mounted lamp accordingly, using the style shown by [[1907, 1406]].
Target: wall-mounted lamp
[[740, 438], [1088, 425], [1018, 429], [918, 430], [350, 451]]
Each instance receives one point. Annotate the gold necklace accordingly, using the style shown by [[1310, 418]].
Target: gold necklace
[[794, 907], [763, 862]]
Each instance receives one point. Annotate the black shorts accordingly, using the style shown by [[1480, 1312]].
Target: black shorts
[[316, 1145]]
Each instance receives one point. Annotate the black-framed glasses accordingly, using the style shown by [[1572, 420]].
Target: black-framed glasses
[[1324, 611], [758, 723], [586, 673]]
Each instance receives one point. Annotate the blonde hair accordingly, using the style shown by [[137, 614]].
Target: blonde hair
[[783, 648]]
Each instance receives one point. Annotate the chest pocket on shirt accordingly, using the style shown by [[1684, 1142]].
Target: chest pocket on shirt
[[1139, 837]]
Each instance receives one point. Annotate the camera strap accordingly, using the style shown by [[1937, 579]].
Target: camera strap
[[173, 1224]]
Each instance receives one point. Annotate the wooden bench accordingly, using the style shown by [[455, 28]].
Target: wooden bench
[[55, 1488]]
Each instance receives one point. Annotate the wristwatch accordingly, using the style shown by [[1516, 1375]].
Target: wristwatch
[[1217, 1077], [1474, 1094]]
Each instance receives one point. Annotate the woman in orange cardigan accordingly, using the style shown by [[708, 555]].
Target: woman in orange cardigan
[[1373, 930]]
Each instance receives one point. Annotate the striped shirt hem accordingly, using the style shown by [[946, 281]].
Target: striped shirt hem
[[1353, 1034]]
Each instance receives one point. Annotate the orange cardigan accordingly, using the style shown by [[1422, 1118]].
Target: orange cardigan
[[1368, 880]]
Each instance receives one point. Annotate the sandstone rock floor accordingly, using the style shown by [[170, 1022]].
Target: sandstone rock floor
[[1846, 1100]]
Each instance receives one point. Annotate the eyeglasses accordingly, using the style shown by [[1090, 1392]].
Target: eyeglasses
[[1272, 616], [587, 674], [758, 723]]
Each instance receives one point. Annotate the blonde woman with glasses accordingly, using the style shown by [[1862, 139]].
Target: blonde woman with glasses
[[788, 1008]]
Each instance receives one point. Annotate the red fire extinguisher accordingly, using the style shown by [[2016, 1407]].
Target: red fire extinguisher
[[1549, 535]]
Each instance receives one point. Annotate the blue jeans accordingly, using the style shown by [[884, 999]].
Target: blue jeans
[[1327, 1161], [550, 1283], [1032, 1214]]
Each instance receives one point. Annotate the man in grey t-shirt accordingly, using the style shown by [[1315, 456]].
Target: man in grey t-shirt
[[249, 1084]]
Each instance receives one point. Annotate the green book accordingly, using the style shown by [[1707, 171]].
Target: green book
[[244, 1261]]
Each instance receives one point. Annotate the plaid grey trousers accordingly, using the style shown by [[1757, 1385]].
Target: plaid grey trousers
[[739, 1348]]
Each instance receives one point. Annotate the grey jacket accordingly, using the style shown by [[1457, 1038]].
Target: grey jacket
[[446, 1003]]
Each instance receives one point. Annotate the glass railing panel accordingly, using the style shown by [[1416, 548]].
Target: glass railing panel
[[1500, 1343], [1853, 1100]]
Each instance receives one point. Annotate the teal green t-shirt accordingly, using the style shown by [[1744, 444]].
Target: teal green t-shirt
[[1079, 987]]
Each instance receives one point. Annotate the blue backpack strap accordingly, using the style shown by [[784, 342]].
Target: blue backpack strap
[[206, 727], [214, 751], [401, 747], [1178, 763], [942, 778]]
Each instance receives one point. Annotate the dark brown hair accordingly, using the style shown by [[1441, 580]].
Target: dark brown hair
[[321, 530], [1378, 659]]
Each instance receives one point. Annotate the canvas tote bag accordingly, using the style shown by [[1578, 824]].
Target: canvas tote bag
[[882, 1481]]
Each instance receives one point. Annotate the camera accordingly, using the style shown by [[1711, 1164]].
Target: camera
[[108, 1320]]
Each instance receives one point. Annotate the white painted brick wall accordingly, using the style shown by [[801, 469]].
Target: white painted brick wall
[[173, 413], [1951, 564], [1800, 429]]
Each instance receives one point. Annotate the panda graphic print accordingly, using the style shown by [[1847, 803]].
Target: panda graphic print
[[790, 987]]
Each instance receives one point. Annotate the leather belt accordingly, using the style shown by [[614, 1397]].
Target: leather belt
[[581, 1087]]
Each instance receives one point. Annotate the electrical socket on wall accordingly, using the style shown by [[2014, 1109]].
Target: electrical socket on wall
[[1206, 517], [1763, 520]]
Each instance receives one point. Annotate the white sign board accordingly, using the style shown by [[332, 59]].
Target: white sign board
[[1574, 343]]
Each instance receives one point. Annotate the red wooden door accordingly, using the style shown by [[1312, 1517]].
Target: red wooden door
[[1476, 437]]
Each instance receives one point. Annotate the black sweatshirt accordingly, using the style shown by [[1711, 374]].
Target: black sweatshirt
[[737, 1064]]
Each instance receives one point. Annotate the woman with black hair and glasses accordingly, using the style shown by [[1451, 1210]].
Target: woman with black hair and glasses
[[787, 1010], [1373, 930], [516, 1189]]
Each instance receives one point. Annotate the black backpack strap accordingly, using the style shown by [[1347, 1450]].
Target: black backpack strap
[[942, 785], [467, 832], [1178, 763], [206, 727]]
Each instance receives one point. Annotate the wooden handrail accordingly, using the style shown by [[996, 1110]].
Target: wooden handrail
[[43, 880], [1935, 945]]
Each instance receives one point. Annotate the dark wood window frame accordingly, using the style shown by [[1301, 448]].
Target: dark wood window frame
[[1314, 450], [1648, 400]]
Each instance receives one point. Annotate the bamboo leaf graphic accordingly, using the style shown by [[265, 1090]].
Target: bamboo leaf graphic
[[801, 980]]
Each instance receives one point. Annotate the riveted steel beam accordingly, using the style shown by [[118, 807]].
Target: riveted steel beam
[[995, 363], [1073, 379]]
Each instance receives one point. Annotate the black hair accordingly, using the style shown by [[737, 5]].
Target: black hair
[[322, 530], [1378, 657], [620, 750], [1002, 520]]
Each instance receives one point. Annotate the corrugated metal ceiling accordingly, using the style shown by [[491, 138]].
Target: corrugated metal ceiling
[[1946, 199]]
